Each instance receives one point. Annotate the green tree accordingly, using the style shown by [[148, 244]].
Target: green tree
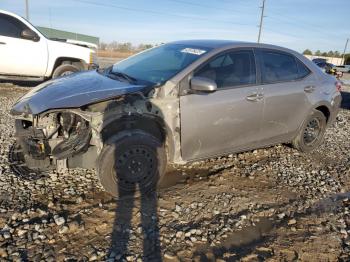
[[337, 54], [324, 54], [330, 53], [307, 52], [318, 53]]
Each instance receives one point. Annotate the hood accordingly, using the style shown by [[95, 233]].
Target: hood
[[75, 42], [72, 91]]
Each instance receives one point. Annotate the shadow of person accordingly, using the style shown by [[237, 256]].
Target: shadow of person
[[130, 165], [149, 223]]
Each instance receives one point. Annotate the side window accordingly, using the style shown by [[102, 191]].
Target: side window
[[278, 67], [231, 69], [302, 69], [10, 26]]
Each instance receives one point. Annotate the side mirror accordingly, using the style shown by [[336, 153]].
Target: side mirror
[[203, 84], [30, 35]]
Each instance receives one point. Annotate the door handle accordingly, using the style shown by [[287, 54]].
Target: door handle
[[254, 97], [309, 89], [2, 43], [260, 97]]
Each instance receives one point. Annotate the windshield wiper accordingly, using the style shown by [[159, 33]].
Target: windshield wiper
[[130, 79]]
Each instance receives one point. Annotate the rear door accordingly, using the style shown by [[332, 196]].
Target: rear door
[[228, 119], [20, 56], [287, 83]]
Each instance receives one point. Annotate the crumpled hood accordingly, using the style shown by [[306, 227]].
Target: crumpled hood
[[72, 91]]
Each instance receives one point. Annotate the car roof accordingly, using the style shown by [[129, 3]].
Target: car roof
[[209, 43], [215, 44]]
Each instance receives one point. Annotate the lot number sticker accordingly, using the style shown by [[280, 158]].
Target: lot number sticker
[[193, 51]]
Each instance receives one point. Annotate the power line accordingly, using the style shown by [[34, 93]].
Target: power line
[[207, 6], [302, 26], [148, 11], [261, 20], [158, 13]]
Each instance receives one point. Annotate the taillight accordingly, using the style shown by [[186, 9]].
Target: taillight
[[338, 85]]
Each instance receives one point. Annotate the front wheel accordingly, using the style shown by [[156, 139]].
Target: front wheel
[[131, 164], [312, 132], [64, 70]]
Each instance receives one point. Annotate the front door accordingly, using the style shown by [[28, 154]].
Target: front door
[[228, 119]]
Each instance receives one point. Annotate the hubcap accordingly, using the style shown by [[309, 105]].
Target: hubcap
[[136, 166], [67, 73], [312, 131]]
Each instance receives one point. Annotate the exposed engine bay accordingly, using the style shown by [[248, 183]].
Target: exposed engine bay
[[49, 141]]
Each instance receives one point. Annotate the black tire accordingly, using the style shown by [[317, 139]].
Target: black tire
[[64, 69], [312, 132], [131, 164]]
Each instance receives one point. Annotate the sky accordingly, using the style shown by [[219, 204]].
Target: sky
[[297, 24]]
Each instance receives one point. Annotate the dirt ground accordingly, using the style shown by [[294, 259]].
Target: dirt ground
[[272, 204]]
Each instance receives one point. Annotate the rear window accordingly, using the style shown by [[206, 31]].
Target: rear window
[[302, 69], [278, 67]]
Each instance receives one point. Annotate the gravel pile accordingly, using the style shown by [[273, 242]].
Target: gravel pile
[[267, 203]]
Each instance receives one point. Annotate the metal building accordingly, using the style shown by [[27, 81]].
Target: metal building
[[55, 33]]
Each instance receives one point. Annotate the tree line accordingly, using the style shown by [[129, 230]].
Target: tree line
[[326, 54], [123, 47]]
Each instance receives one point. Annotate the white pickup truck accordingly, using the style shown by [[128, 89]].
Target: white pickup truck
[[26, 54]]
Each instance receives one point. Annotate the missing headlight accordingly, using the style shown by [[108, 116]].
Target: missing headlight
[[77, 134]]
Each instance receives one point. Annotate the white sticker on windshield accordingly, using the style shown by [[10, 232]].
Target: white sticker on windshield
[[193, 51]]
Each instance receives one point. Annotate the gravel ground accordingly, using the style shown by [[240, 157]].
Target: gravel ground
[[272, 204]]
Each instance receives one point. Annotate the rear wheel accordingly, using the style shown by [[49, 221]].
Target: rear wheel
[[312, 132], [131, 164], [64, 70]]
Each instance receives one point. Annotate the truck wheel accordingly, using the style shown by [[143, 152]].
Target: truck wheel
[[64, 70], [312, 132], [131, 164]]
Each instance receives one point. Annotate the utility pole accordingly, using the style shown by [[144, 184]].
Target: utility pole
[[261, 19], [27, 10], [346, 46]]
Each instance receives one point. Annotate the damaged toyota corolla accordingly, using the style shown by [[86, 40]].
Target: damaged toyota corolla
[[174, 103]]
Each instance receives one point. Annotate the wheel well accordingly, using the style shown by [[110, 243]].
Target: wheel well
[[68, 60], [324, 110], [150, 125]]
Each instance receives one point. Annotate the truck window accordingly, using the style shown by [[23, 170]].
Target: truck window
[[10, 26]]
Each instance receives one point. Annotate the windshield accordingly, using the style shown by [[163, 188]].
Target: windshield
[[159, 64]]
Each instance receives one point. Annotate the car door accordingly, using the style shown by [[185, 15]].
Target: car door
[[287, 82], [20, 56], [228, 119]]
